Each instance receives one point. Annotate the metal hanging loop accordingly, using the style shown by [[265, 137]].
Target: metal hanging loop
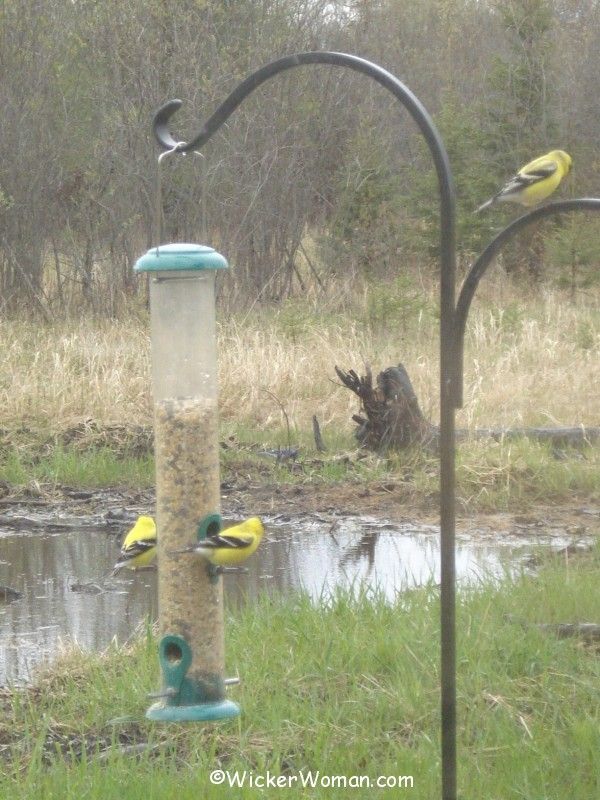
[[158, 201]]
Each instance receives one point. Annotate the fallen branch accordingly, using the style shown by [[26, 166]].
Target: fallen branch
[[558, 437], [583, 630], [390, 417], [589, 631]]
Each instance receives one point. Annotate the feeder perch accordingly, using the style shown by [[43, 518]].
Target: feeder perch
[[229, 570], [184, 383]]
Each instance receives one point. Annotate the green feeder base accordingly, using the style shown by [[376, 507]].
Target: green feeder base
[[202, 712], [186, 700]]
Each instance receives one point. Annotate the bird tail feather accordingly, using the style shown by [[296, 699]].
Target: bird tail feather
[[485, 205]]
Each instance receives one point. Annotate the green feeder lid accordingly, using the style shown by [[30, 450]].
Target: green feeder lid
[[180, 256]]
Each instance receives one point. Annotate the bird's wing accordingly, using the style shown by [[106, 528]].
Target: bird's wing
[[137, 547], [538, 172], [227, 542], [528, 176], [542, 162]]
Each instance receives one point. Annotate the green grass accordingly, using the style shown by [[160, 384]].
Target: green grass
[[349, 687], [520, 472], [490, 475], [72, 466]]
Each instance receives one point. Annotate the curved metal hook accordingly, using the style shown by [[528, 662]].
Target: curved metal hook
[[160, 126], [481, 264], [385, 79], [407, 98]]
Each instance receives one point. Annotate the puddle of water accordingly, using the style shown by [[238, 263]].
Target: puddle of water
[[310, 553], [43, 568]]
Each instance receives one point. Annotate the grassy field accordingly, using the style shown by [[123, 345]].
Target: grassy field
[[76, 396], [348, 688], [531, 359]]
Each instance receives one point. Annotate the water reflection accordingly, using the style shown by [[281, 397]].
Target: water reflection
[[357, 552], [43, 567], [315, 553]]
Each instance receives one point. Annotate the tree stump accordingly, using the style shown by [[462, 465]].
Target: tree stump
[[392, 418]]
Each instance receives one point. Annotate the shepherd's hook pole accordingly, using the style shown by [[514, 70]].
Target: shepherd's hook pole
[[450, 379]]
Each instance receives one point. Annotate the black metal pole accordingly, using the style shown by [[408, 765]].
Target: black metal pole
[[449, 379], [448, 376]]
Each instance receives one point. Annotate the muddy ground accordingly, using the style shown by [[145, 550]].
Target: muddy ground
[[58, 506]]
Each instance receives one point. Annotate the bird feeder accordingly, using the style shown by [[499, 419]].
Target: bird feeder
[[184, 382]]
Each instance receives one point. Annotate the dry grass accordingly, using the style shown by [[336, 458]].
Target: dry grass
[[530, 360], [55, 376]]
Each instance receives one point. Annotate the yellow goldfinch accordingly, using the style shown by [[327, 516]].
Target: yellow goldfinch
[[139, 546], [534, 182], [229, 547]]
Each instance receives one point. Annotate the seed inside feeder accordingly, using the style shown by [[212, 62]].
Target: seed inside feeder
[[187, 488]]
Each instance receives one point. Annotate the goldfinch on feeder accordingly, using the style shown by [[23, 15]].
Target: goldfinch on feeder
[[534, 182], [139, 546], [229, 547]]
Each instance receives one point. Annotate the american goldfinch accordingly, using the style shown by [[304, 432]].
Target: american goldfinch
[[231, 546], [139, 546], [534, 182]]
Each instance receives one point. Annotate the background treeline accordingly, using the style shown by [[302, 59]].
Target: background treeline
[[319, 174]]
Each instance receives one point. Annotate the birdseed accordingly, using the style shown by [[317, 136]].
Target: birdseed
[[187, 489]]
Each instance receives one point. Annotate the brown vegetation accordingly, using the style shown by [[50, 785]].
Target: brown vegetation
[[530, 361]]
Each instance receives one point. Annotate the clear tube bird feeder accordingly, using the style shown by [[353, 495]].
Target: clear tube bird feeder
[[184, 381]]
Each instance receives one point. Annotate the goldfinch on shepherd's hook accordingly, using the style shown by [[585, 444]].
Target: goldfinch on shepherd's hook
[[534, 182], [231, 546], [139, 546]]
